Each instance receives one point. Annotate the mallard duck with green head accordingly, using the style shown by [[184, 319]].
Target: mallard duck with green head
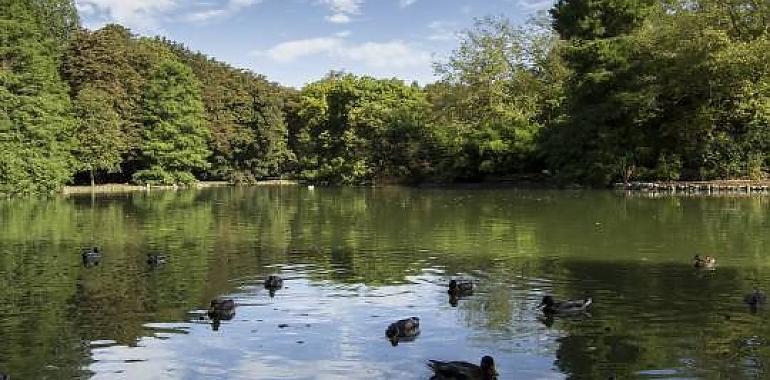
[[464, 371]]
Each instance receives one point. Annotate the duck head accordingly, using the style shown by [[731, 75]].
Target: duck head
[[453, 285], [546, 302], [392, 334], [488, 367]]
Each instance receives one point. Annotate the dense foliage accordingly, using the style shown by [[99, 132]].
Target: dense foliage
[[595, 92]]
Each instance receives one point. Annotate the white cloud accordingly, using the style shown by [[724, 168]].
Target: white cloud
[[442, 31], [230, 8], [394, 54], [343, 6], [292, 50], [338, 18], [343, 34], [139, 14], [406, 3], [147, 15], [532, 5], [342, 10]]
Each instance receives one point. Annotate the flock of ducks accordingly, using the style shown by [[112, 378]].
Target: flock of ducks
[[408, 329]]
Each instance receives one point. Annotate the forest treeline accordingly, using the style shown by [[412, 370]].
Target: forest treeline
[[596, 91]]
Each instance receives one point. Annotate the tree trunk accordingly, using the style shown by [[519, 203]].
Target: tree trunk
[[91, 174]]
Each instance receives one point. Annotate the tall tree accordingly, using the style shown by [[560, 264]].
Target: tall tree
[[498, 90], [175, 134], [245, 115], [35, 110], [100, 142], [351, 128]]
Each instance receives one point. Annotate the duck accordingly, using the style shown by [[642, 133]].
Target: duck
[[706, 262], [755, 299], [460, 287], [91, 256], [463, 370], [156, 260], [221, 309], [405, 329], [551, 306], [273, 282]]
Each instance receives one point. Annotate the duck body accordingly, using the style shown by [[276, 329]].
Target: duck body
[[273, 282], [91, 256], [458, 370], [460, 288], [706, 262], [221, 309], [405, 329], [156, 260], [552, 307], [755, 299]]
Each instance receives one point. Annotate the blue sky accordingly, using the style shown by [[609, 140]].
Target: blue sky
[[294, 42]]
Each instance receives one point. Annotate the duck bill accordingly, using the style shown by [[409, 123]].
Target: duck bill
[[542, 305]]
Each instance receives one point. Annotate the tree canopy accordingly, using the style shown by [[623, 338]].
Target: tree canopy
[[596, 91]]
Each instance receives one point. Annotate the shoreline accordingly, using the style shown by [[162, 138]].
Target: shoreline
[[128, 188], [715, 187]]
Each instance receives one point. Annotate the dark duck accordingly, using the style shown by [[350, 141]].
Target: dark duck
[[405, 329], [461, 370]]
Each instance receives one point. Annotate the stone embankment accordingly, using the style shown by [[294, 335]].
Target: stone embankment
[[698, 187]]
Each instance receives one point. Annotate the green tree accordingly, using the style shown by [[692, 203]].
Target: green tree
[[352, 129], [498, 90], [175, 134], [245, 115], [35, 110], [99, 137]]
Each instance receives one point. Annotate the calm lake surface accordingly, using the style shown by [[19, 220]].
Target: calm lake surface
[[355, 260]]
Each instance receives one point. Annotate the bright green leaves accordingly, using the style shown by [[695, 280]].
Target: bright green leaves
[[175, 132], [35, 111], [360, 129]]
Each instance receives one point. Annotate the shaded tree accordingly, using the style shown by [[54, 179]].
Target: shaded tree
[[175, 134]]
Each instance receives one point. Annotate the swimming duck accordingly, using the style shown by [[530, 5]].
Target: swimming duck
[[91, 256], [463, 370], [221, 309], [755, 299], [273, 282], [460, 287], [156, 260], [405, 329], [551, 306], [707, 262]]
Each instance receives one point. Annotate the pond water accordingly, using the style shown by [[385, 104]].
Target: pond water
[[354, 260]]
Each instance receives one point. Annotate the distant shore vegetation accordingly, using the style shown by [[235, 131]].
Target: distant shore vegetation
[[593, 92]]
